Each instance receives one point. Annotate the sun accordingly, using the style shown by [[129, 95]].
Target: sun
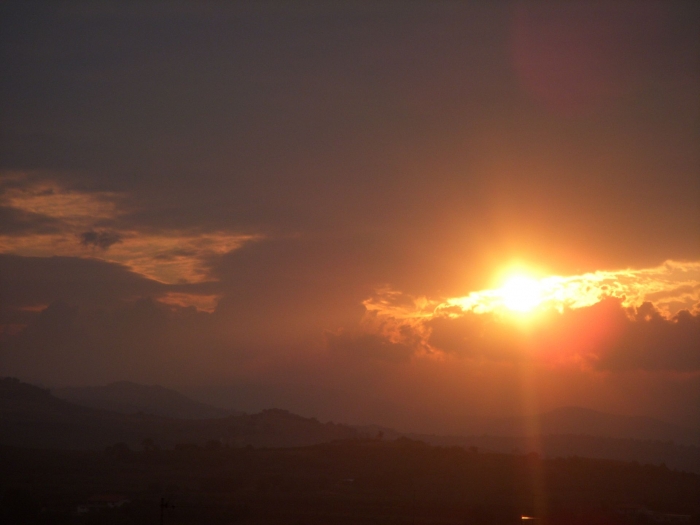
[[521, 294]]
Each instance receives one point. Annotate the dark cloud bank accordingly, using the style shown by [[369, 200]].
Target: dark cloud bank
[[606, 336]]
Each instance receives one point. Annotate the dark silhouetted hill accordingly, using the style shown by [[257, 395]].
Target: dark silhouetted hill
[[33, 417], [131, 398]]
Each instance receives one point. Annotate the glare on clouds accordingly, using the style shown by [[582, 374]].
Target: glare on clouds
[[588, 320]]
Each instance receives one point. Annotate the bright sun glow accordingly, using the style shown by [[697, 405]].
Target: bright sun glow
[[523, 291], [521, 294]]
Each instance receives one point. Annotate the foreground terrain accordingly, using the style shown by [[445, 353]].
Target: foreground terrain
[[61, 463], [352, 481]]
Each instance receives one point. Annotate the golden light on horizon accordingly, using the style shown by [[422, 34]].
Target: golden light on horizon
[[531, 314], [672, 286]]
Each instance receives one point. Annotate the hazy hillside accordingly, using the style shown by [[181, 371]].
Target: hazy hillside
[[583, 421], [131, 398], [32, 417]]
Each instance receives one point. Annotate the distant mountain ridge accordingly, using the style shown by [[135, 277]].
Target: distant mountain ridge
[[570, 421], [132, 398], [32, 417], [584, 421]]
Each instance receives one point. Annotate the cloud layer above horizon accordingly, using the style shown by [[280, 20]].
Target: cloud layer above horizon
[[626, 319]]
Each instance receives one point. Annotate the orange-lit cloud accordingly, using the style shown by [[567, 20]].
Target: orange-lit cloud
[[672, 286], [203, 303], [168, 257], [49, 199], [633, 318], [90, 225]]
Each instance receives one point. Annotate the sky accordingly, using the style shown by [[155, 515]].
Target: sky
[[403, 213]]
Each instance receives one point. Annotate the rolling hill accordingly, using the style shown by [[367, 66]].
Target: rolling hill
[[132, 398], [32, 417]]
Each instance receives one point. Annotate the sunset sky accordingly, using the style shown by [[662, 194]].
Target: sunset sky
[[404, 213]]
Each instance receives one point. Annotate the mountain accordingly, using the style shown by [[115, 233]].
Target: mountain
[[583, 421], [131, 398], [33, 417], [652, 452]]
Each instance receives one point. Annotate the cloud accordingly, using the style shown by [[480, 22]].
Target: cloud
[[175, 256], [84, 319], [49, 199], [201, 302], [102, 239], [71, 343], [475, 336], [28, 281], [649, 341], [30, 284], [46, 219], [597, 321], [673, 286], [19, 222]]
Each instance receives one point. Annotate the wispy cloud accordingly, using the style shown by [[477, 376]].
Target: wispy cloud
[[47, 198], [202, 302], [94, 224], [175, 256]]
